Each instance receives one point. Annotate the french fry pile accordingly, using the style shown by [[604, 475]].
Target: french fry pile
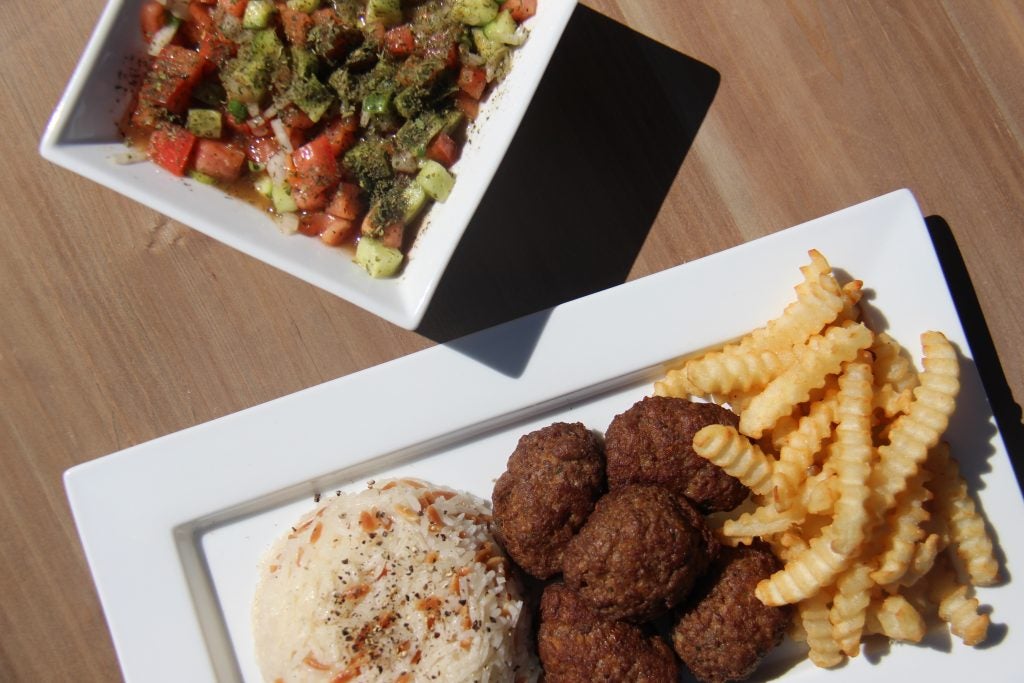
[[839, 441]]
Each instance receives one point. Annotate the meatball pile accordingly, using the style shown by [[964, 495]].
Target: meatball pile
[[635, 579]]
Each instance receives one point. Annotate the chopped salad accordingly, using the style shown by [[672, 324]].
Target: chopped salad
[[344, 116]]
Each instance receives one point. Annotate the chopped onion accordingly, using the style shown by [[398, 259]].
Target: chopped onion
[[253, 108], [404, 161], [281, 134], [231, 26], [178, 8], [497, 66], [288, 223], [277, 167], [270, 112], [519, 37], [163, 38]]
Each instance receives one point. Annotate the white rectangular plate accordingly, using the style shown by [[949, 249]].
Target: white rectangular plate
[[82, 137], [173, 529]]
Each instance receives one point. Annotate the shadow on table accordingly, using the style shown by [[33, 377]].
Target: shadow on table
[[580, 186], [1007, 413]]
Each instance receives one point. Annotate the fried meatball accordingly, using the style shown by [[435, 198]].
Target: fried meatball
[[577, 646], [652, 443], [639, 554], [724, 631], [553, 478]]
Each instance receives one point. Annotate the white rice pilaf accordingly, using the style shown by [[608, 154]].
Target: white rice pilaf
[[402, 582]]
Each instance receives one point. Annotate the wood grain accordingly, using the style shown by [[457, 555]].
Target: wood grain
[[118, 325]]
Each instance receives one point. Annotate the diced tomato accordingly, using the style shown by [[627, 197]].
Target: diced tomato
[[391, 236], [171, 147], [467, 105], [335, 232], [171, 78], [472, 81], [199, 17], [296, 25], [146, 114], [219, 160], [441, 46], [215, 49], [400, 41], [347, 202], [443, 150], [341, 135], [316, 174], [296, 136], [333, 28], [331, 230], [293, 117], [235, 8], [261, 149], [238, 125], [521, 10], [153, 16], [311, 224]]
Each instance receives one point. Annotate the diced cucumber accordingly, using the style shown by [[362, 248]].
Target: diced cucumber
[[266, 43], [306, 6], [311, 96], [201, 177], [282, 198], [264, 185], [386, 12], [503, 29], [474, 12], [452, 120], [257, 13], [377, 103], [377, 259], [415, 197], [238, 110], [435, 180], [204, 123], [304, 62], [486, 47], [253, 166]]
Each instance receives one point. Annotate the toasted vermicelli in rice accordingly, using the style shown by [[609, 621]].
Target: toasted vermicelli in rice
[[400, 582]]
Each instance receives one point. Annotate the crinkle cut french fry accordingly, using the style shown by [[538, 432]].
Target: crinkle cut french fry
[[814, 617], [904, 531], [725, 447], [763, 521], [892, 402], [851, 293], [891, 365], [797, 454], [898, 619], [819, 300], [956, 606], [925, 554], [917, 431], [853, 452], [964, 524], [725, 373], [805, 574], [819, 496], [821, 356], [850, 606], [675, 384]]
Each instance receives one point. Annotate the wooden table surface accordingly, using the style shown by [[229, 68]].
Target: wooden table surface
[[665, 130]]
